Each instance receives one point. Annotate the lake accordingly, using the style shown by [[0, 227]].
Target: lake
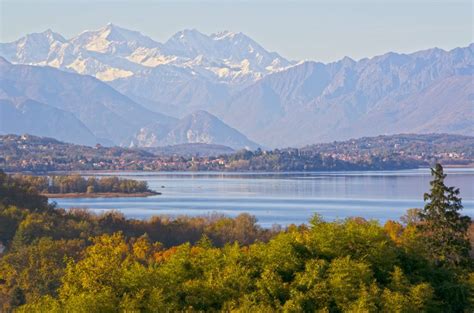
[[281, 198]]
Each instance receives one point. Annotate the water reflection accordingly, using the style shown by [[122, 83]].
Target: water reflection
[[282, 198]]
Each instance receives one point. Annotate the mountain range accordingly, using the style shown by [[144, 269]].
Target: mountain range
[[81, 109], [216, 88]]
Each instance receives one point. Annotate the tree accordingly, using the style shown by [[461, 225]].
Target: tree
[[90, 189], [31, 271], [19, 193], [444, 228]]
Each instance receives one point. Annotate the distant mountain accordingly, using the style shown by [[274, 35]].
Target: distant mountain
[[36, 48], [173, 90], [427, 91], [104, 111], [446, 106], [190, 70], [81, 109], [274, 101], [230, 55], [198, 127], [21, 116]]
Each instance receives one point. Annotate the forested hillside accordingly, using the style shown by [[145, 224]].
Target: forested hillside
[[36, 154], [435, 145], [73, 261]]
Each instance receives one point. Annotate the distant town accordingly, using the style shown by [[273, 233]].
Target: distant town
[[28, 153]]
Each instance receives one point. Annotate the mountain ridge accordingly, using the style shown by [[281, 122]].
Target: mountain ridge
[[224, 53], [332, 100], [197, 127], [294, 103], [82, 109]]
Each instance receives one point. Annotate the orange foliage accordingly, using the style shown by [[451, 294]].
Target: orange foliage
[[163, 256]]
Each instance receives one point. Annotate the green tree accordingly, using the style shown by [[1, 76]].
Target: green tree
[[346, 278], [444, 228], [20, 193], [31, 271]]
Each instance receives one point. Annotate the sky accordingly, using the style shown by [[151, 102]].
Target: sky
[[310, 30]]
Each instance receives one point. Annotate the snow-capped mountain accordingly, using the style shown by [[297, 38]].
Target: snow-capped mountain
[[272, 100], [112, 52], [190, 71], [231, 56], [36, 48]]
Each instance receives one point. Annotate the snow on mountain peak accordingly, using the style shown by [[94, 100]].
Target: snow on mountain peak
[[113, 52], [32, 48], [116, 33], [47, 35], [220, 73], [53, 36], [187, 33], [225, 34], [40, 40], [189, 43], [111, 35]]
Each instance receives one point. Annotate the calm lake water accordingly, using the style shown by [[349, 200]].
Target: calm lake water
[[281, 198]]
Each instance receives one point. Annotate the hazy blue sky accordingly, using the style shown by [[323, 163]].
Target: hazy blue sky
[[319, 30]]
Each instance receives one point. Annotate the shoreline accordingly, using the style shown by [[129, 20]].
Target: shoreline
[[115, 171], [100, 195]]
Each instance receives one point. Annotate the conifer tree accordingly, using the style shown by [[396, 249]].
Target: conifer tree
[[445, 229]]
